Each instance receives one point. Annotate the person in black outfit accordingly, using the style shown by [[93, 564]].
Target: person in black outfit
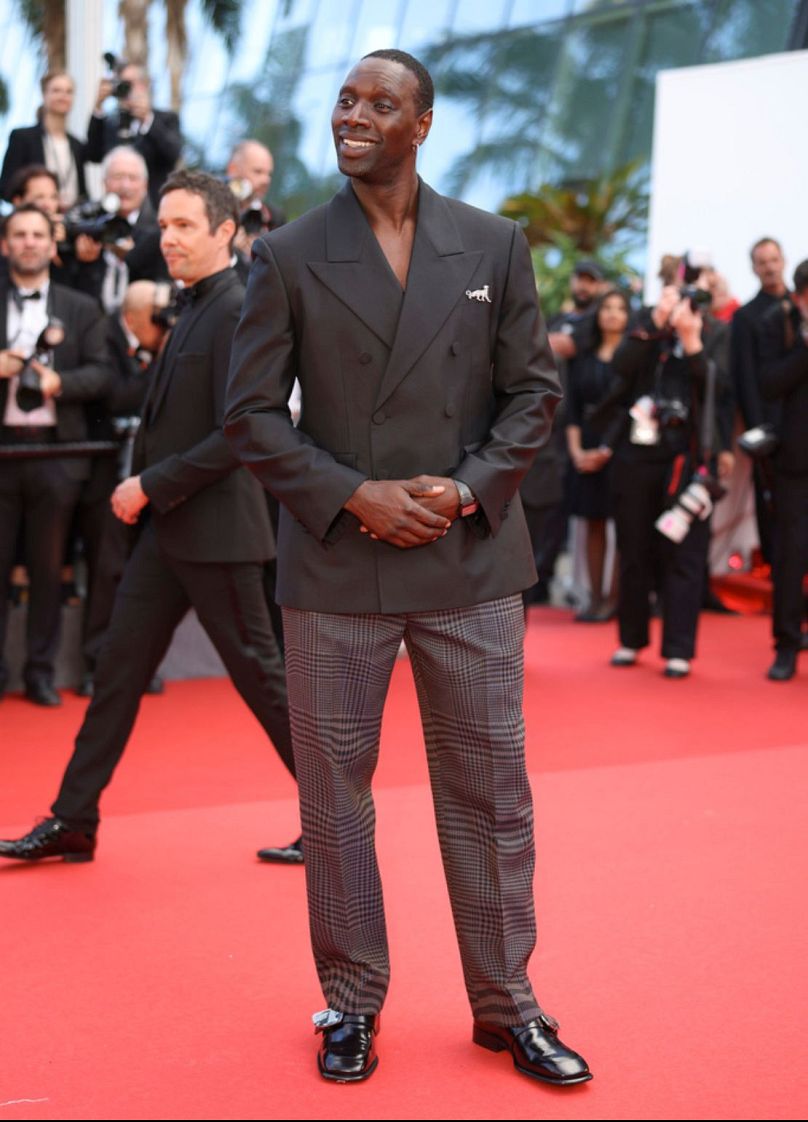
[[588, 381], [784, 380], [44, 491], [664, 359], [48, 143], [204, 529], [768, 266], [154, 133]]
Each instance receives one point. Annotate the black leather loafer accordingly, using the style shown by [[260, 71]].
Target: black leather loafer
[[536, 1050], [51, 838], [348, 1054], [784, 666], [283, 855]]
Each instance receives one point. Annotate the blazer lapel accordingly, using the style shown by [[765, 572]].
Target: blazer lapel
[[440, 272], [356, 270]]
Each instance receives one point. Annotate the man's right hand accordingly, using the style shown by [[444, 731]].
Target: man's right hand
[[389, 512], [105, 88], [11, 363]]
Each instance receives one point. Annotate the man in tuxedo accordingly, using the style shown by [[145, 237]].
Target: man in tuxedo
[[204, 529], [153, 133], [412, 324], [42, 492]]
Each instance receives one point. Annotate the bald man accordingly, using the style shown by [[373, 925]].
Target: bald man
[[253, 163]]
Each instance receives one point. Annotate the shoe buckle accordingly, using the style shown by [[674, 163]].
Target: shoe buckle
[[326, 1019], [550, 1023]]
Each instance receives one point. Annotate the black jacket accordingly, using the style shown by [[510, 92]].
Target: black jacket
[[745, 360], [81, 361], [784, 379], [160, 147], [203, 504], [26, 146]]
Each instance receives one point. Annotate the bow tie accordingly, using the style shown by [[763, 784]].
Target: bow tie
[[19, 296]]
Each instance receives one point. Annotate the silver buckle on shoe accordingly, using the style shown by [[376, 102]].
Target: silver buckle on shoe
[[550, 1023], [326, 1019]]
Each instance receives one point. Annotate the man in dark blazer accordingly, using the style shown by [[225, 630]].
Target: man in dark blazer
[[204, 535], [784, 381], [42, 493], [412, 324], [154, 133]]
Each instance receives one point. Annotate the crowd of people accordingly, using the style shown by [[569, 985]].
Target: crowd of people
[[652, 408]]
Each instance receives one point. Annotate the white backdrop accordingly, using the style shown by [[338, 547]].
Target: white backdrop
[[730, 164]]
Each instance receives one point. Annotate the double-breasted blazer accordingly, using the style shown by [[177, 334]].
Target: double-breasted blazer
[[82, 362], [451, 377], [204, 506]]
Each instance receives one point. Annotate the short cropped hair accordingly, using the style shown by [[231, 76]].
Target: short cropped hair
[[28, 208], [801, 278], [760, 243], [426, 90], [220, 202]]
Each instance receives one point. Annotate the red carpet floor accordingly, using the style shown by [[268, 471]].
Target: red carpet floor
[[171, 978]]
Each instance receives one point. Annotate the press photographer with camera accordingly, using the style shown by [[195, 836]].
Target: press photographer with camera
[[117, 241], [44, 387], [659, 420], [784, 381], [153, 133]]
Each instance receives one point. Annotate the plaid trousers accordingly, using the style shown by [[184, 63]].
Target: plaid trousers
[[468, 668]]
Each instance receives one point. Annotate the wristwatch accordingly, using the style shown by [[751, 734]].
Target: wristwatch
[[468, 503]]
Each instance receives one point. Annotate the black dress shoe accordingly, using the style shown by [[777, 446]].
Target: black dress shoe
[[86, 687], [783, 667], [42, 693], [283, 855], [536, 1050], [156, 686], [51, 838], [347, 1054]]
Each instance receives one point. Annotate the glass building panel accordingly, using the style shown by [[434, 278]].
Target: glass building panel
[[424, 21], [537, 11], [330, 37], [747, 28], [478, 15], [375, 27], [312, 105]]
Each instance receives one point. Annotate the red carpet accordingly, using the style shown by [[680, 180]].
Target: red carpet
[[171, 978]]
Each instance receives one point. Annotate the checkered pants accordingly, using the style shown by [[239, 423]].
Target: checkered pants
[[468, 670]]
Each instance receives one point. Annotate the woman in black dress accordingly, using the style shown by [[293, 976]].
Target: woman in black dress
[[590, 375]]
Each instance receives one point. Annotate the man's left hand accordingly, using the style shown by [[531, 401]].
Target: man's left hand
[[445, 503], [128, 499]]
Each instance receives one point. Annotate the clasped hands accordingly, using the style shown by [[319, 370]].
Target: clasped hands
[[405, 512]]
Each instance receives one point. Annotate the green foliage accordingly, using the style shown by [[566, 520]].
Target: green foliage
[[554, 261]]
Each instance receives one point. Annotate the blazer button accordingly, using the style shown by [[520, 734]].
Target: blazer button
[[365, 358], [449, 410], [379, 418], [455, 348]]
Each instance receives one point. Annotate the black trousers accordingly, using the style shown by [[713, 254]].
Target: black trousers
[[41, 495], [790, 559], [154, 595], [649, 560]]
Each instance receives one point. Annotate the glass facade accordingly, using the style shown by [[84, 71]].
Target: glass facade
[[528, 91]]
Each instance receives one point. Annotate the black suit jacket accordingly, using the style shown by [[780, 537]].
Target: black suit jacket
[[203, 504], [26, 146], [784, 380], [81, 361], [745, 360], [160, 147], [452, 378]]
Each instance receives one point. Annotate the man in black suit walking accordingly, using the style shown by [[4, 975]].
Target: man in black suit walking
[[204, 533], [42, 492], [412, 324]]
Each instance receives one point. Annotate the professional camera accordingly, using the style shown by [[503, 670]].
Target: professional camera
[[29, 392], [255, 217], [121, 89], [670, 413], [700, 299], [696, 501], [98, 220], [166, 305]]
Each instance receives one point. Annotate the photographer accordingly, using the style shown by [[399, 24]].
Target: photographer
[[784, 380], [153, 133], [42, 491], [110, 258], [249, 173], [652, 419]]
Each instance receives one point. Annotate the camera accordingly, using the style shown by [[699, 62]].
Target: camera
[[121, 89], [166, 306], [255, 217], [670, 413], [696, 501], [29, 391], [98, 220], [700, 299]]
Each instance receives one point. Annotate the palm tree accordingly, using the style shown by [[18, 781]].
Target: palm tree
[[45, 19]]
